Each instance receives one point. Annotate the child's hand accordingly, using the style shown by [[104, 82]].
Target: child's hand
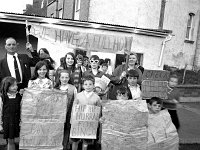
[[44, 56], [1, 128], [102, 120], [123, 74], [29, 47], [21, 92]]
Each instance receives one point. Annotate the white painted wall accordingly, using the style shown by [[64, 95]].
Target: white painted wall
[[145, 14], [177, 12], [126, 12]]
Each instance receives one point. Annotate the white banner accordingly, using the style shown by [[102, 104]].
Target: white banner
[[86, 41]]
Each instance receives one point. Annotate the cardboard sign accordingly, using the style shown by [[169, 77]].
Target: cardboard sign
[[125, 123], [43, 115], [162, 134], [155, 84], [84, 121], [156, 75], [154, 89]]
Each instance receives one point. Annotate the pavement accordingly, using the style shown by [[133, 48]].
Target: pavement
[[189, 116], [189, 133]]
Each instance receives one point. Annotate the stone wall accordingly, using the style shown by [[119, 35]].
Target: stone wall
[[189, 93]]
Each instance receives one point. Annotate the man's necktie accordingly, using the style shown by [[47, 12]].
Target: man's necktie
[[17, 70]]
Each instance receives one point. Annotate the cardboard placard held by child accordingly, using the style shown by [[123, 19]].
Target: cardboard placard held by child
[[162, 134]]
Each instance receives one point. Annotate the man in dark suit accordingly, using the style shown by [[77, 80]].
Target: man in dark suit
[[22, 62]]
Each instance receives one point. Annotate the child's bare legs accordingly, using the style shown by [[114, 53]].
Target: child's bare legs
[[84, 145], [75, 145], [11, 144]]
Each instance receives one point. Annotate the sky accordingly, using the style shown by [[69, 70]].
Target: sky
[[14, 6]]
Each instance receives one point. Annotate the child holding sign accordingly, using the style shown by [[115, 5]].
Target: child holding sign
[[130, 83], [86, 97], [10, 105], [62, 84], [160, 127]]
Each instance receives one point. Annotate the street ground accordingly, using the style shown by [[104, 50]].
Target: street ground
[[189, 133]]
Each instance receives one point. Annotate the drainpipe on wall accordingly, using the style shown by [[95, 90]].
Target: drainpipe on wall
[[57, 11], [168, 38], [196, 49]]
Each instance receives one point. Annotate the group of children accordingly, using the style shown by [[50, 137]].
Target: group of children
[[10, 99]]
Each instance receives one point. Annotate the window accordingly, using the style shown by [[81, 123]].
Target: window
[[77, 9], [60, 13], [190, 27], [77, 5]]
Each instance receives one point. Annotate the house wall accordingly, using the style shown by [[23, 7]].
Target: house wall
[[51, 9], [178, 52], [146, 14], [135, 13]]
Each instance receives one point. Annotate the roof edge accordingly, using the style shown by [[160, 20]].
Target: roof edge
[[21, 18]]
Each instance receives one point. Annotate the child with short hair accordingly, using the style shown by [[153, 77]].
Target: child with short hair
[[86, 97], [173, 100], [131, 83], [104, 68], [62, 84], [10, 108], [155, 105], [122, 93], [160, 126], [95, 72], [132, 78]]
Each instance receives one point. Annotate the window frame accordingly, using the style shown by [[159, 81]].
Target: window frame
[[77, 5], [190, 28]]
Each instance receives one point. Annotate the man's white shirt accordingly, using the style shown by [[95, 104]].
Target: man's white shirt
[[11, 66]]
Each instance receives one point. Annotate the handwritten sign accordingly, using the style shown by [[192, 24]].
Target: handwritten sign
[[156, 75], [84, 120], [89, 41], [154, 89], [155, 84], [43, 116], [125, 125]]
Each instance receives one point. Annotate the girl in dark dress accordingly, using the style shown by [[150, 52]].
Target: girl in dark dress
[[10, 105]]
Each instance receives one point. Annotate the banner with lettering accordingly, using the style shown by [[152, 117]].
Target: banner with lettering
[[155, 84], [84, 121], [87, 41], [43, 115], [125, 125]]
